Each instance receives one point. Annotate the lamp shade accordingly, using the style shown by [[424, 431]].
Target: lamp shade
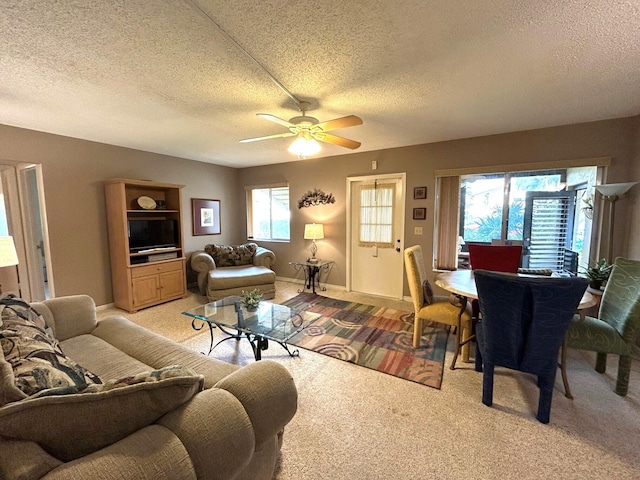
[[304, 147], [313, 231], [8, 255], [614, 189]]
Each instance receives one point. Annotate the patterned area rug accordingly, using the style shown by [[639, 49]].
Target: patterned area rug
[[374, 337]]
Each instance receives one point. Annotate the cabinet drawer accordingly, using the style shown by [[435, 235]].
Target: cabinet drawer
[[155, 269]]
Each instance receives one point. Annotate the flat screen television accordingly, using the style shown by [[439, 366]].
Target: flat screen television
[[152, 233]]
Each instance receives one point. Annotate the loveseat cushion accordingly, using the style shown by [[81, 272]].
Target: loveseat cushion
[[72, 426], [232, 255], [36, 360], [237, 277]]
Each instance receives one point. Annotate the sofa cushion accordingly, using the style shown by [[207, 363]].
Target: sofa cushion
[[235, 277], [36, 360], [232, 255], [71, 426]]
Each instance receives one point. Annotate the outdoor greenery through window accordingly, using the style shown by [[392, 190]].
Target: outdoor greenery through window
[[268, 214], [545, 210]]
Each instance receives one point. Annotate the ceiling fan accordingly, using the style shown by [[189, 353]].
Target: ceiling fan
[[309, 129]]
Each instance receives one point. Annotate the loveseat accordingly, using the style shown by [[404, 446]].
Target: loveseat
[[225, 270], [155, 409]]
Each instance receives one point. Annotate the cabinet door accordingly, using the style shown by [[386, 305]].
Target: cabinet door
[[146, 290], [172, 284]]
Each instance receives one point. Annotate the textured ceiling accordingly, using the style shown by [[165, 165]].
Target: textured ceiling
[[158, 76]]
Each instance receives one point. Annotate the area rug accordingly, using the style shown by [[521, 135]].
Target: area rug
[[374, 337]]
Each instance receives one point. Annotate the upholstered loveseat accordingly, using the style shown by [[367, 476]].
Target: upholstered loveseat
[[225, 270], [194, 417]]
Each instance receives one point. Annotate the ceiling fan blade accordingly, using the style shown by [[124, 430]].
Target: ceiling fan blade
[[278, 135], [273, 118], [336, 140], [344, 122]]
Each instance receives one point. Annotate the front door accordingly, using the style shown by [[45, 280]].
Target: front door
[[375, 234]]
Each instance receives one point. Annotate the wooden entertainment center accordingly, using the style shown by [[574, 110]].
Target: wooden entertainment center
[[143, 277]]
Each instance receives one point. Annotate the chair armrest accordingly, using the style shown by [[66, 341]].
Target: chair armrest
[[202, 263], [216, 432], [268, 394], [69, 316], [264, 258]]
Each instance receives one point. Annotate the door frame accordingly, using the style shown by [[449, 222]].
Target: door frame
[[402, 176]]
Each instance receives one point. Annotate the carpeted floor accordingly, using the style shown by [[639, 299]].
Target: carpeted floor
[[379, 338], [355, 423]]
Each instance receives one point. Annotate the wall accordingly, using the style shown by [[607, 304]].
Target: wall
[[75, 169], [614, 138], [632, 199], [73, 173]]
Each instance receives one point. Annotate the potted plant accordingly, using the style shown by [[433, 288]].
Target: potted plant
[[251, 300], [598, 273]]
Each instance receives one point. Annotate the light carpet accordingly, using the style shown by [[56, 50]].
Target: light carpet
[[354, 423]]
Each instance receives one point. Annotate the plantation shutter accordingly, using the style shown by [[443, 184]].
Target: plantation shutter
[[548, 229]]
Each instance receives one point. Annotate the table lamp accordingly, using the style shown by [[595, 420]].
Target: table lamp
[[313, 231], [8, 254], [611, 192]]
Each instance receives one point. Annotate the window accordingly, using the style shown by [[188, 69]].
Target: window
[[268, 214], [537, 208], [376, 215]]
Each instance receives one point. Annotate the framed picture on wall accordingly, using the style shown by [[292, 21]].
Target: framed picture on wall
[[206, 216], [420, 213], [419, 193]]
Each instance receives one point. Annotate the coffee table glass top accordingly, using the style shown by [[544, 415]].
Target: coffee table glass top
[[270, 320]]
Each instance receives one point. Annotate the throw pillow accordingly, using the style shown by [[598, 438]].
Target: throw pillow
[[72, 426], [232, 255], [427, 290], [34, 355]]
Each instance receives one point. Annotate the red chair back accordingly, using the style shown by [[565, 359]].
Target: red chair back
[[496, 258]]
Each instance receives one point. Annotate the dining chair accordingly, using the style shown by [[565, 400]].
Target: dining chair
[[522, 327], [496, 258], [436, 309], [618, 323]]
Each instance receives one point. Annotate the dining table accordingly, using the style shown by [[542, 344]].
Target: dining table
[[462, 284]]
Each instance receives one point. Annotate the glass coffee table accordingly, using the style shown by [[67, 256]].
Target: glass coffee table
[[269, 322]]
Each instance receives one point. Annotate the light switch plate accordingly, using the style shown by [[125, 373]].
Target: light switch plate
[[417, 231]]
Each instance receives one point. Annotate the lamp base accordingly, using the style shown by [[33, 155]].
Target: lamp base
[[312, 260]]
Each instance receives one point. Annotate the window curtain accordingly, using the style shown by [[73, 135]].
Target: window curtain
[[376, 215], [448, 223]]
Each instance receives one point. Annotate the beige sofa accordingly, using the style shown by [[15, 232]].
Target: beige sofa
[[223, 421], [225, 270]]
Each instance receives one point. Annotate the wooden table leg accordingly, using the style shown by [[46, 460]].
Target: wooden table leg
[[459, 343]]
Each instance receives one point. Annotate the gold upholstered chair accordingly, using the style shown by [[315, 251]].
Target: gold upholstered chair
[[435, 309]]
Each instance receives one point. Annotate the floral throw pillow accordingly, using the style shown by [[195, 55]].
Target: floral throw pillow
[[36, 359], [232, 255]]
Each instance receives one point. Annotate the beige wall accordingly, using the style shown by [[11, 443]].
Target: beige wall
[[614, 138], [632, 199], [73, 173], [75, 169]]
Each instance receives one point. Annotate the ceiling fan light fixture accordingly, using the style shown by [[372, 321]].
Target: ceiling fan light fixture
[[304, 146]]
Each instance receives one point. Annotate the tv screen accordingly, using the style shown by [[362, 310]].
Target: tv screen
[[148, 234]]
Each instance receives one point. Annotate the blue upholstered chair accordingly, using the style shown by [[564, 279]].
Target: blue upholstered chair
[[618, 323], [522, 327]]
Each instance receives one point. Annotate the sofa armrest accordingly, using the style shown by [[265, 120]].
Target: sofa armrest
[[69, 316], [268, 394], [202, 263], [24, 459], [264, 258], [216, 432]]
